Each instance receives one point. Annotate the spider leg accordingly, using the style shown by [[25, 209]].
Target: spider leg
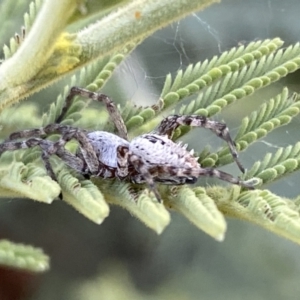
[[44, 131], [225, 177], [30, 143], [112, 109], [75, 162], [85, 161], [68, 133], [169, 124], [48, 148], [211, 172], [145, 174], [47, 164]]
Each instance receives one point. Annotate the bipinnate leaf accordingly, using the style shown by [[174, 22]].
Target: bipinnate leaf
[[18, 180]]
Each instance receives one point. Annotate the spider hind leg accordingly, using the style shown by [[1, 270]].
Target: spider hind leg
[[209, 172], [169, 125]]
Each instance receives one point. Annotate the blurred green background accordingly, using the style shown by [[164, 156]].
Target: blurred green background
[[121, 259]]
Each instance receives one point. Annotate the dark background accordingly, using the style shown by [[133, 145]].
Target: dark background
[[122, 259]]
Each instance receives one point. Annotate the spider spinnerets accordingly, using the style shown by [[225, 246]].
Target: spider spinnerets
[[148, 158]]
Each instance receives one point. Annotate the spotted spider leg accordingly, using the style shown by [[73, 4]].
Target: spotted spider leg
[[192, 173], [169, 125], [89, 156], [33, 142], [211, 172], [75, 162], [48, 148], [112, 109]]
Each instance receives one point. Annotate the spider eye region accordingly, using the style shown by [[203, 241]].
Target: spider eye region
[[106, 145]]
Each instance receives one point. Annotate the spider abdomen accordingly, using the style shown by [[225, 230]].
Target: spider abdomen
[[156, 150]]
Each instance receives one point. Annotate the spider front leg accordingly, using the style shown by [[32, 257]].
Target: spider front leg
[[30, 143], [68, 133], [113, 111], [169, 124], [76, 162]]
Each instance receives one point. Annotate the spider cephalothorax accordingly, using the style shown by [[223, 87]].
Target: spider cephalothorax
[[148, 158]]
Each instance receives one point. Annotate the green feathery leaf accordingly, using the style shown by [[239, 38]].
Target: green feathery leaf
[[273, 166], [279, 215], [23, 257], [13, 120], [92, 78], [199, 208], [195, 78], [225, 83], [83, 196], [201, 76], [276, 112], [244, 82], [27, 181], [139, 202], [17, 40]]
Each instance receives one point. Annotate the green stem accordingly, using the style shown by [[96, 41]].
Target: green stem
[[35, 50], [20, 76], [132, 23]]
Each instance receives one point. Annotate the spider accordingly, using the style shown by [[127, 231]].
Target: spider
[[149, 158]]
